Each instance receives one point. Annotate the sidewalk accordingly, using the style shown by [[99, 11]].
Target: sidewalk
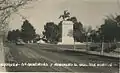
[[112, 55]]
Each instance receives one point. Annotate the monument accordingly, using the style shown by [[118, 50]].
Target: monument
[[67, 28]]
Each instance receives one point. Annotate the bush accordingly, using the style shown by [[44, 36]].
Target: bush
[[93, 48], [110, 49]]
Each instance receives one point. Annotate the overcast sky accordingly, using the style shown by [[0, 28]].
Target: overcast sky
[[88, 12]]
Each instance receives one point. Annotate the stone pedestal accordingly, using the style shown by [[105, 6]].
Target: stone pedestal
[[67, 27]]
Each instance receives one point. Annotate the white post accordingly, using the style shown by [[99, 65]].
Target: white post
[[102, 49], [74, 44], [87, 45]]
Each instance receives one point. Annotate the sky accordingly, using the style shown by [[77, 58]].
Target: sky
[[88, 12]]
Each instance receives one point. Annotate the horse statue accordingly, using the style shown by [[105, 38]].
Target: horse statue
[[65, 15]]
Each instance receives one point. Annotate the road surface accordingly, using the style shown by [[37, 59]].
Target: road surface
[[48, 58]]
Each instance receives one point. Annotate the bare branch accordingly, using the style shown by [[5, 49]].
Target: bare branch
[[2, 1], [7, 7], [13, 4]]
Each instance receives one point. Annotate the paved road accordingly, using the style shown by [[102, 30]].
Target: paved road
[[51, 59]]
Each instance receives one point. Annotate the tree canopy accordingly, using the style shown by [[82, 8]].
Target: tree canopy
[[13, 35], [51, 32], [110, 30], [77, 30], [7, 8], [27, 31]]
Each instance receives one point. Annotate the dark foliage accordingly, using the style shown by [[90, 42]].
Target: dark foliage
[[50, 33], [13, 35], [110, 30], [77, 30], [27, 31]]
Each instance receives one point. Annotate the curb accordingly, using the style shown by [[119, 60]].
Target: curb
[[93, 54], [89, 52], [67, 49]]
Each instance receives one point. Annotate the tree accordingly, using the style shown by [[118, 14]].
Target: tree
[[60, 32], [27, 31], [13, 35], [87, 32], [77, 30], [94, 36], [51, 33], [9, 36], [37, 38], [7, 7], [17, 34], [110, 29], [117, 18]]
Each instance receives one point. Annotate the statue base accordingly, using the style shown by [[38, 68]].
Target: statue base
[[67, 28]]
